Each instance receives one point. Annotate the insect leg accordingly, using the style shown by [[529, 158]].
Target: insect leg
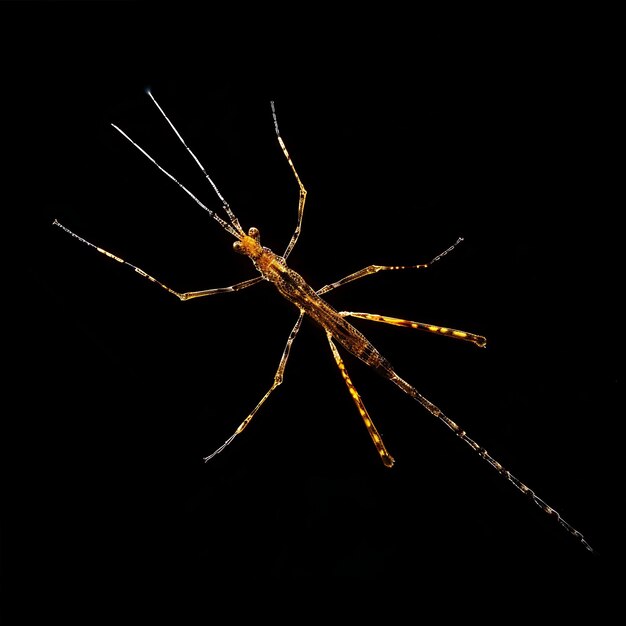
[[302, 198], [183, 296], [372, 269], [385, 457], [278, 379], [478, 340]]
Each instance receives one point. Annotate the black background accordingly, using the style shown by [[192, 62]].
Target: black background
[[406, 137]]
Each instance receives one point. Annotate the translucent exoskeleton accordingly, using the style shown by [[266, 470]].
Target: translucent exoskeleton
[[308, 301]]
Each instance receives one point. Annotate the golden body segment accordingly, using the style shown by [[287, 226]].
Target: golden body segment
[[292, 286]]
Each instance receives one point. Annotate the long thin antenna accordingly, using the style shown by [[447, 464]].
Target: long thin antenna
[[225, 225], [231, 216]]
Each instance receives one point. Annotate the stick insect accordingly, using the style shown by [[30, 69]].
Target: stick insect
[[309, 303]]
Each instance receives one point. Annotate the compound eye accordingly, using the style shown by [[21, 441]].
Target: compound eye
[[237, 247], [254, 233]]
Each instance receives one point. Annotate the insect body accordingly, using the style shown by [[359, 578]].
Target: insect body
[[309, 302]]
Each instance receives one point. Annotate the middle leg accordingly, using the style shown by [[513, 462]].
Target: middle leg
[[373, 269], [278, 379]]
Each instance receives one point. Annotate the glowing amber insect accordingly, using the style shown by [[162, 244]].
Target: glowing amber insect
[[309, 302]]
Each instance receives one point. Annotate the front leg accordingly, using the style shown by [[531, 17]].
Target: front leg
[[188, 295]]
